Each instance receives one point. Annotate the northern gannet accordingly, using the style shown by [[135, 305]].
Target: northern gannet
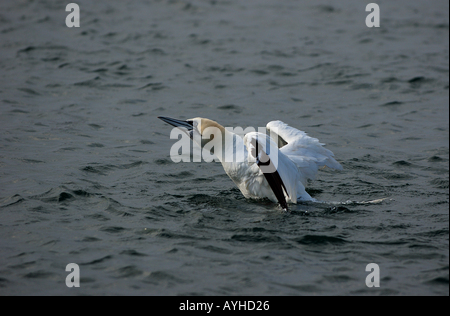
[[276, 167]]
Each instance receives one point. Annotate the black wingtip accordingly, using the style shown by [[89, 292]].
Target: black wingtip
[[272, 177]]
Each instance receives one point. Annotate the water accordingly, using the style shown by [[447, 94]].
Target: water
[[85, 173]]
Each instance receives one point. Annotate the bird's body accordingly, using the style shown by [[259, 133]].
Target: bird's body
[[251, 181], [276, 167]]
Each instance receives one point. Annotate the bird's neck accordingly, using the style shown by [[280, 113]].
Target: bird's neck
[[227, 146]]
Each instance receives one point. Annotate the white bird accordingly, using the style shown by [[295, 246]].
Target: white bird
[[276, 167]]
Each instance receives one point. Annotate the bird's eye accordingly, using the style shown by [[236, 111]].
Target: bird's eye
[[190, 122]]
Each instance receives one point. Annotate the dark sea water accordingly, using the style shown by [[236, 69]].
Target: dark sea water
[[86, 176]]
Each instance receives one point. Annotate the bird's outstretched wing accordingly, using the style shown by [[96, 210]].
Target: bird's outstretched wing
[[305, 151]]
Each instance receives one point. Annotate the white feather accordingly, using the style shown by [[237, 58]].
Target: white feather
[[305, 151]]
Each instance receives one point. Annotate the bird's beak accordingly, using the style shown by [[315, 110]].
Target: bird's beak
[[177, 123]]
